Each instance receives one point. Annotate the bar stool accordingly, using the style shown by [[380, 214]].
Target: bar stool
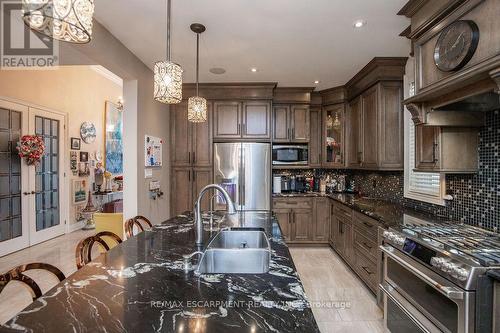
[[136, 221], [83, 253]]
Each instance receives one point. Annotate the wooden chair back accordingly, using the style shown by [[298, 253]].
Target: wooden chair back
[[138, 221], [83, 253], [17, 274]]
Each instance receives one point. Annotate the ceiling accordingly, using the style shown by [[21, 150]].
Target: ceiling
[[291, 42]]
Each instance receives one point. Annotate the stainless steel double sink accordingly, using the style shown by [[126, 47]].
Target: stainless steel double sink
[[236, 251]]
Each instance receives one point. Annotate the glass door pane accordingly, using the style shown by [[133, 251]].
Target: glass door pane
[[47, 175], [10, 176], [334, 131]]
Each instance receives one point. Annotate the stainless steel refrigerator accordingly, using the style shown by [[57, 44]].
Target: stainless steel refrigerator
[[244, 170]]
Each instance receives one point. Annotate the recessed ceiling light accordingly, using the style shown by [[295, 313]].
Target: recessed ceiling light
[[359, 23], [253, 69], [217, 70], [316, 82]]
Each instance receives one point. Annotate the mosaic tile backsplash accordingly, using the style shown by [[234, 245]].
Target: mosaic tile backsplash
[[476, 197]]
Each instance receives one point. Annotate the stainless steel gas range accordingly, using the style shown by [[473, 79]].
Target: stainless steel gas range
[[434, 278]]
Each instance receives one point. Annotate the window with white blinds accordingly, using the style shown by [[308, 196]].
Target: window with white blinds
[[422, 186]]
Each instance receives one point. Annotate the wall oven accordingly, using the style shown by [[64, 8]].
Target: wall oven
[[416, 299], [290, 154]]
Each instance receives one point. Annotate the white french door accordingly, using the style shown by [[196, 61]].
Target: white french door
[[32, 198]]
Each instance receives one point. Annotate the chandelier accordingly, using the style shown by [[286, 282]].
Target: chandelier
[[65, 20], [167, 74], [197, 106]]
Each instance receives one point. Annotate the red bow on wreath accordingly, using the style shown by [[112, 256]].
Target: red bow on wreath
[[32, 148]]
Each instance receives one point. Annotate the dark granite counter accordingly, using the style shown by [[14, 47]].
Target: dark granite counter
[[387, 213], [140, 286]]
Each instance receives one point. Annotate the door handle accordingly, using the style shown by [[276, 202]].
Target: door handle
[[434, 155], [194, 157], [194, 176], [450, 292], [189, 157], [293, 133]]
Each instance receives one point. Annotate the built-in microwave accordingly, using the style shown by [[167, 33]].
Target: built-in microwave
[[290, 154]]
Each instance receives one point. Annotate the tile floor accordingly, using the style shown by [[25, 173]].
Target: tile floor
[[324, 275], [327, 279]]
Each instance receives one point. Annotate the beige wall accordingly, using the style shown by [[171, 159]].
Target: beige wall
[[78, 91], [142, 115]]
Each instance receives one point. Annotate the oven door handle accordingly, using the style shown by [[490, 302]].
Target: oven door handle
[[450, 292]]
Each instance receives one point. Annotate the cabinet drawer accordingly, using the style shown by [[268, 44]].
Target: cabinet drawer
[[294, 203], [342, 211], [366, 225], [366, 269], [364, 244]]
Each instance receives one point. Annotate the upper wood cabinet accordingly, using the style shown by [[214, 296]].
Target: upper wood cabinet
[[354, 133], [375, 128], [333, 136], [256, 120], [291, 123], [191, 143], [315, 145], [446, 149], [242, 120]]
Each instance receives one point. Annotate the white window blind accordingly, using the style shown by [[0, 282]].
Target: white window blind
[[422, 186], [421, 182]]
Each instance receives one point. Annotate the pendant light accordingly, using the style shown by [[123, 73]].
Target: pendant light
[[167, 74], [65, 20], [197, 106]]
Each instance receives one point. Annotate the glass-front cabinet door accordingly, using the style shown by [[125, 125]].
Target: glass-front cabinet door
[[333, 135]]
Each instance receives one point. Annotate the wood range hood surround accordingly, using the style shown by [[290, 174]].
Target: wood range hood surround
[[456, 98]]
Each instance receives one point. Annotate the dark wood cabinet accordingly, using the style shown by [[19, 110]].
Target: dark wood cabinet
[[295, 218], [291, 123], [185, 186], [281, 121], [242, 120], [191, 143], [369, 131], [284, 217], [333, 136], [180, 194], [227, 120], [256, 120], [302, 225], [321, 219], [315, 142], [375, 132], [354, 134], [446, 149], [300, 123]]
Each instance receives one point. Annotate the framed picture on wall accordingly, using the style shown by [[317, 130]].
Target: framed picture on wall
[[79, 191], [75, 143], [84, 156]]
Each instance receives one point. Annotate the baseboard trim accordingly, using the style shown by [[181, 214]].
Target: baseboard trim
[[76, 226]]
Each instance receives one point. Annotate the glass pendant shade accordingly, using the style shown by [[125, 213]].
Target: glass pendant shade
[[197, 109], [167, 82], [65, 20]]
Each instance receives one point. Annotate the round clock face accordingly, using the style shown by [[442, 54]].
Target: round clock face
[[456, 45], [88, 132]]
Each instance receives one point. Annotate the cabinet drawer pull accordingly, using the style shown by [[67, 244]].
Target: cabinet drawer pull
[[189, 157], [194, 157], [369, 225], [367, 270], [367, 246]]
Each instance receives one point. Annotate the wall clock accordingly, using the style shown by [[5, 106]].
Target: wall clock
[[456, 45], [88, 132]]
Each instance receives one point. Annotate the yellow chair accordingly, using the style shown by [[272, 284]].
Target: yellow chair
[[109, 222]]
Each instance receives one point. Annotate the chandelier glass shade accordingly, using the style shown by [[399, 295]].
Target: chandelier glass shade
[[167, 82], [167, 74], [197, 109], [65, 20]]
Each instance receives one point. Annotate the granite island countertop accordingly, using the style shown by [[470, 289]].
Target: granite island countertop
[[140, 286], [387, 213]]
